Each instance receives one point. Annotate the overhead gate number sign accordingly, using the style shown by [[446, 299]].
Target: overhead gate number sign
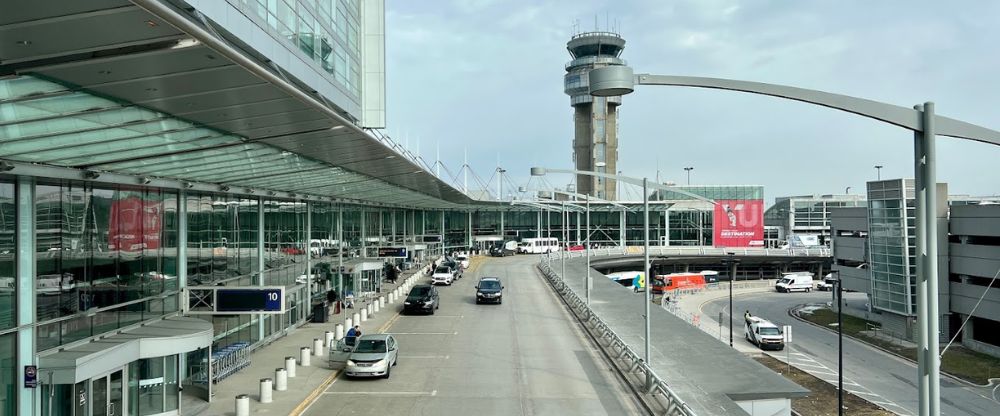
[[235, 300], [396, 252]]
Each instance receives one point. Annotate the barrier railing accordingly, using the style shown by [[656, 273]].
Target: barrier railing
[[618, 347], [702, 251]]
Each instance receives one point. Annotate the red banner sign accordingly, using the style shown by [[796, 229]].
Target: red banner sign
[[738, 223], [135, 224]]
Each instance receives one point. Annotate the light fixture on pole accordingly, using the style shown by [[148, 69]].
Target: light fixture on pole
[[689, 169], [878, 172], [926, 125], [840, 343]]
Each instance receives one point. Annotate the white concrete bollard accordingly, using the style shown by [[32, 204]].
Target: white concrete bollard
[[280, 379], [364, 314], [266, 394], [304, 356], [243, 405], [371, 309], [349, 322], [381, 302], [328, 337], [339, 331], [375, 307], [290, 366], [357, 320], [318, 346]]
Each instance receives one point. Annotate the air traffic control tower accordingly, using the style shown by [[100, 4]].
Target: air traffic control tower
[[595, 119]]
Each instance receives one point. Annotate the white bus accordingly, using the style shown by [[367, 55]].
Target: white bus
[[538, 245]]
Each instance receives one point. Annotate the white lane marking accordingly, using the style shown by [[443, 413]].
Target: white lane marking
[[862, 393], [801, 354], [846, 383], [386, 393], [810, 365], [306, 410], [423, 333], [437, 316]]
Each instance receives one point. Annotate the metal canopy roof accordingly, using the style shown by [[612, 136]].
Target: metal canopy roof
[[108, 86]]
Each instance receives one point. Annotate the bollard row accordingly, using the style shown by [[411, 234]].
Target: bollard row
[[657, 386]]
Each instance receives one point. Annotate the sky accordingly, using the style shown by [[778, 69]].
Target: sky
[[485, 78]]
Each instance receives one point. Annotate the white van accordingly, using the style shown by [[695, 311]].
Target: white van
[[791, 282]]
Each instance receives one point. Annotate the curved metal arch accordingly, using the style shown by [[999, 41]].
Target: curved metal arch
[[904, 117]]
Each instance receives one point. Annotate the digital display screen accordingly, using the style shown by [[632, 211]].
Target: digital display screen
[[248, 300], [392, 252]]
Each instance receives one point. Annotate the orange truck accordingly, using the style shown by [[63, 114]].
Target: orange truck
[[667, 282]]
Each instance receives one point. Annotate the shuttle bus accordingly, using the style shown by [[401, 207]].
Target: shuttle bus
[[538, 245]]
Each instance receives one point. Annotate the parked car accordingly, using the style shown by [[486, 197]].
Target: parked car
[[489, 289], [791, 282], [373, 356], [577, 247], [443, 275], [764, 334], [422, 298]]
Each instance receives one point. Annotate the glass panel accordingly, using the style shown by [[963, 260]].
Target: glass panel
[[115, 395], [8, 249], [171, 394], [8, 374], [151, 378], [99, 397]]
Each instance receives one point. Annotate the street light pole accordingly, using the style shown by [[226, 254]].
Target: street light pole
[[565, 215], [689, 169], [878, 172], [587, 229], [732, 281], [840, 344], [647, 278]]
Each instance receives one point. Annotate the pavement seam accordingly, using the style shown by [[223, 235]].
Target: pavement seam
[[313, 395], [793, 312]]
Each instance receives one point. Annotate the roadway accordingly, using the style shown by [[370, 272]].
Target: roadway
[[526, 356], [880, 377]]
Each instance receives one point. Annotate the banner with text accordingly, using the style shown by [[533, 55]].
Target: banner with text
[[738, 223]]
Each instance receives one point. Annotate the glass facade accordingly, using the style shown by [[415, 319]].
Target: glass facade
[[892, 242], [327, 32], [106, 258], [8, 374], [808, 214], [8, 248]]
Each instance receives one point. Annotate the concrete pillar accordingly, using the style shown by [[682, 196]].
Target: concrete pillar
[[381, 301], [290, 366], [339, 332], [356, 321], [280, 379], [305, 355], [266, 387], [364, 315], [375, 307], [242, 405], [328, 337], [317, 349]]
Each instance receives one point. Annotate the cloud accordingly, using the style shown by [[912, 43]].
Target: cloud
[[487, 75]]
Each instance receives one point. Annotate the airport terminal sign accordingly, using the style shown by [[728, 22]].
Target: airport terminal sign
[[392, 252], [738, 223], [242, 300]]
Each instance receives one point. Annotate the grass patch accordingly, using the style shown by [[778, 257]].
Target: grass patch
[[959, 361], [822, 398]]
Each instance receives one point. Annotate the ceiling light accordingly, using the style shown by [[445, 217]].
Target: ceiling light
[[145, 180], [185, 43], [336, 127], [188, 185], [89, 174], [104, 72], [391, 157], [23, 42], [249, 190], [151, 23], [271, 193], [224, 188]]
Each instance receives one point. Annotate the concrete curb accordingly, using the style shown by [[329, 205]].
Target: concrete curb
[[793, 312]]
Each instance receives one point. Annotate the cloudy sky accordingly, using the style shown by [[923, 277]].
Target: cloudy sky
[[486, 76]]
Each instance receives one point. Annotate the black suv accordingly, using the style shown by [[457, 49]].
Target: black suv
[[489, 289], [422, 298]]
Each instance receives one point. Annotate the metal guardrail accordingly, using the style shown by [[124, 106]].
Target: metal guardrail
[[674, 405], [702, 251]]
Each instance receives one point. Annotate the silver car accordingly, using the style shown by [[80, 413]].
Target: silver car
[[373, 356]]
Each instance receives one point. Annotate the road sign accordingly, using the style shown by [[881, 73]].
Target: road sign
[[249, 300], [30, 376], [787, 332], [394, 252]]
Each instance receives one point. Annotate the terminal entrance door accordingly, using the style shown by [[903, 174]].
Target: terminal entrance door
[[107, 395]]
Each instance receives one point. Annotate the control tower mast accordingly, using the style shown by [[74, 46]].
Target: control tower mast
[[595, 119]]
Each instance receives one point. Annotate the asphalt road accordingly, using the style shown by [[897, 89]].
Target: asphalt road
[[523, 357], [875, 375]]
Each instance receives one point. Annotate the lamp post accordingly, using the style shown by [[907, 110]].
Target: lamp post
[[878, 172], [689, 169], [731, 262], [619, 80], [840, 344], [500, 172]]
